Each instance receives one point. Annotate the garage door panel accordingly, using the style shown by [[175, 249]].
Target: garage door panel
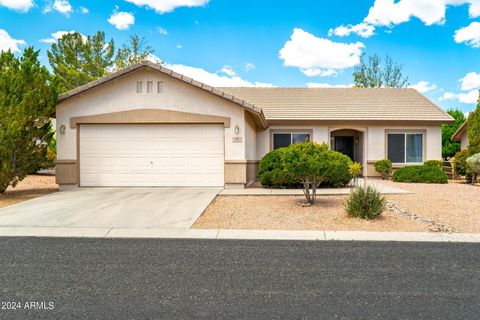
[[151, 155]]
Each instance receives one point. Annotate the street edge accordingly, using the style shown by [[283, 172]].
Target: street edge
[[153, 233]]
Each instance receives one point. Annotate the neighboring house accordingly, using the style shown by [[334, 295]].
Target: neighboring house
[[461, 135], [149, 126]]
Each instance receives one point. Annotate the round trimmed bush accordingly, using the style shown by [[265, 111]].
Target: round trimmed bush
[[420, 174], [384, 167], [273, 173], [365, 202]]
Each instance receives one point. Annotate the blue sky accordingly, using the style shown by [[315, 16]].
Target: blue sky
[[248, 42]]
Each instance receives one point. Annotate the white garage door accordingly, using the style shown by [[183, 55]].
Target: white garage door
[[151, 155]]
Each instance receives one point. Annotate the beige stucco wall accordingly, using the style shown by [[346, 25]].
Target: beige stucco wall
[[464, 141], [250, 138], [120, 95], [376, 136], [373, 140]]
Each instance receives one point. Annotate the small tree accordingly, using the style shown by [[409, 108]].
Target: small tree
[[449, 147], [310, 164], [473, 131], [473, 167], [384, 167], [77, 60], [137, 50], [27, 99], [370, 73]]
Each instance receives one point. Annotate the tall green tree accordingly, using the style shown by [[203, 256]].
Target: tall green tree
[[473, 131], [27, 100], [77, 60], [449, 147], [372, 73], [137, 50]]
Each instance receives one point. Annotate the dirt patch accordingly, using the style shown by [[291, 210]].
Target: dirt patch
[[284, 213], [32, 186], [455, 204]]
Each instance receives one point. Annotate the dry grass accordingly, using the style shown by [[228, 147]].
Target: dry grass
[[455, 204], [285, 213], [31, 187]]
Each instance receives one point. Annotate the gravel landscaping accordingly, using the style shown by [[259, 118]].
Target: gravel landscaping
[[285, 213], [455, 205], [32, 186]]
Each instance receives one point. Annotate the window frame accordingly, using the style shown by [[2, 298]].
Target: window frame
[[291, 133], [405, 134]]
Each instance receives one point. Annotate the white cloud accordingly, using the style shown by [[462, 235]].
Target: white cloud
[[214, 79], [62, 6], [248, 66], [59, 34], [228, 71], [8, 43], [389, 12], [469, 34], [424, 86], [84, 10], [470, 81], [319, 56], [327, 85], [179, 46], [121, 20], [163, 6], [469, 97], [17, 5], [364, 30], [162, 30]]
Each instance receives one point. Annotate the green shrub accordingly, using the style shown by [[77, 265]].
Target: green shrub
[[460, 163], [273, 173], [365, 202], [473, 167], [341, 175], [434, 163], [420, 174], [384, 167], [310, 164]]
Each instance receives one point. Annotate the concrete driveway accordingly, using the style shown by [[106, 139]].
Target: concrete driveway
[[175, 207]]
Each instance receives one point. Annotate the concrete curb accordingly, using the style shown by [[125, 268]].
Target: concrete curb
[[236, 234]]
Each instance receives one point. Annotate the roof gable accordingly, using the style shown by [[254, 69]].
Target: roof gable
[[252, 109]]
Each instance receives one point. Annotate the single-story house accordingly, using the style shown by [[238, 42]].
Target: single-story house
[[461, 135], [149, 126]]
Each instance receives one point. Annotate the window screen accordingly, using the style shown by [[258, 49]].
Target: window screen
[[139, 87], [405, 147], [414, 148], [396, 148], [300, 137], [160, 87], [281, 140], [149, 86]]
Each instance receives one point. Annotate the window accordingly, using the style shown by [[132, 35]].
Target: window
[[405, 147], [149, 86], [139, 87], [160, 87], [281, 140]]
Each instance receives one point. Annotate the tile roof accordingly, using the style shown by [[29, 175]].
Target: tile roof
[[355, 104]]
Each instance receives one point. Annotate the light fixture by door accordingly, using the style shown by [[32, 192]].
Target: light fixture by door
[[237, 129]]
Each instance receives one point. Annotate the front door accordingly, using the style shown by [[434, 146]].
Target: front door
[[345, 145]]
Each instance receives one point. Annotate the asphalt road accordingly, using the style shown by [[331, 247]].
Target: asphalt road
[[216, 279]]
